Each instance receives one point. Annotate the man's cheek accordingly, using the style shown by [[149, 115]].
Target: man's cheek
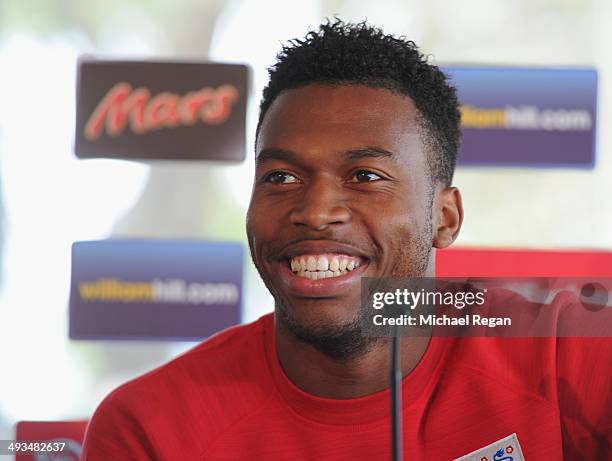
[[253, 224]]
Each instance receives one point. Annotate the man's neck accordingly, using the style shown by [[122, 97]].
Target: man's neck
[[318, 374]]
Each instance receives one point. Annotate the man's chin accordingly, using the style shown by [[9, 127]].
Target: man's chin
[[323, 316], [339, 337]]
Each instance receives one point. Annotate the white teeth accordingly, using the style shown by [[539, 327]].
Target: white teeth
[[322, 263], [320, 267], [334, 265], [311, 265]]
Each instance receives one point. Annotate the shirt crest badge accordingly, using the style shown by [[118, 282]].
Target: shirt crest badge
[[506, 449]]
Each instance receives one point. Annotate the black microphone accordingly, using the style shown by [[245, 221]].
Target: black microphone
[[397, 435]]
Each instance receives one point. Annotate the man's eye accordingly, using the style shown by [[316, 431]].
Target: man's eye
[[280, 177], [366, 176]]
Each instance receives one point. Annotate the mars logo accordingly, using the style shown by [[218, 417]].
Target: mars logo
[[123, 104], [161, 110]]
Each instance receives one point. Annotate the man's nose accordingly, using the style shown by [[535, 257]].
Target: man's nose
[[322, 204]]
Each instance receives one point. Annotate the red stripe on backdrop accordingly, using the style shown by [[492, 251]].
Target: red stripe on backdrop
[[495, 262]]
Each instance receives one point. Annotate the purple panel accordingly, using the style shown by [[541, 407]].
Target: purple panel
[[526, 117], [154, 289]]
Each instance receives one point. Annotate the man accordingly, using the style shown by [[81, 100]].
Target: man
[[355, 152]]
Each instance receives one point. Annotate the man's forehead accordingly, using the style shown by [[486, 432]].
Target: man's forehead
[[366, 116], [327, 100]]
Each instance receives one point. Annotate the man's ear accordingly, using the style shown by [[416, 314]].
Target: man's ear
[[448, 213]]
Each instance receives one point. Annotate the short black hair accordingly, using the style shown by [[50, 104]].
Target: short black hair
[[340, 53]]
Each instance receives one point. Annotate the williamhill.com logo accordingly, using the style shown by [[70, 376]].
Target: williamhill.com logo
[[124, 106], [526, 118], [175, 291]]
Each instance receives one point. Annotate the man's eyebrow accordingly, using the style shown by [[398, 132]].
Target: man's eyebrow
[[368, 152], [275, 154]]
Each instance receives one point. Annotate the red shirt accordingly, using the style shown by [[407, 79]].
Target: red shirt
[[228, 399]]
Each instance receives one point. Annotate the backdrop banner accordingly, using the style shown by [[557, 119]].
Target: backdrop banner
[[154, 289], [161, 110], [57, 440], [526, 117], [506, 262]]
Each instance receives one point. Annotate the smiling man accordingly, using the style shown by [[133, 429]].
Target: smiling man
[[356, 146], [348, 183]]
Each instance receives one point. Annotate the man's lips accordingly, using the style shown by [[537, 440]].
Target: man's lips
[[320, 288], [319, 247], [315, 268]]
